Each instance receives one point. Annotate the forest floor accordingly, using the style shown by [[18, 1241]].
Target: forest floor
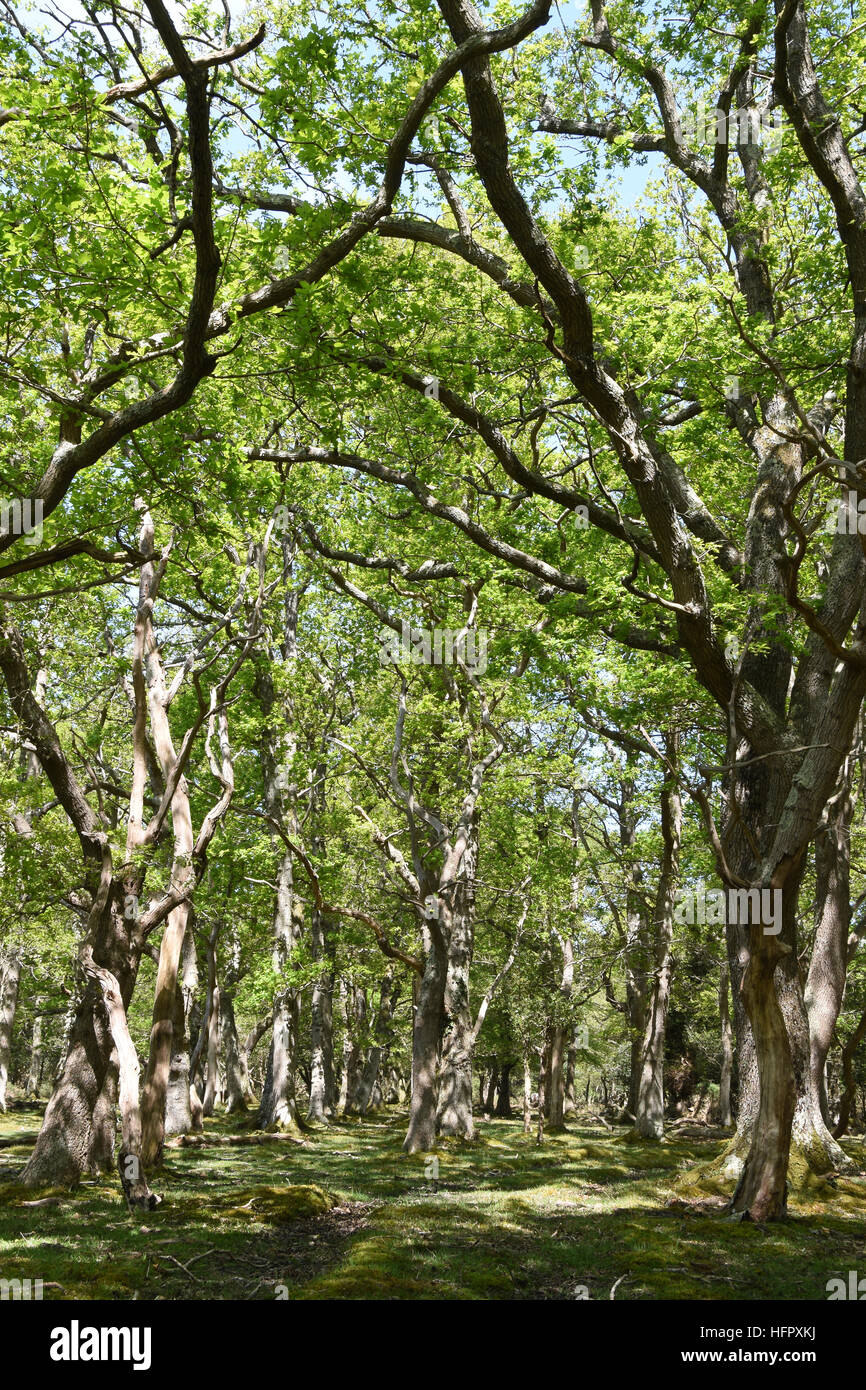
[[346, 1215]]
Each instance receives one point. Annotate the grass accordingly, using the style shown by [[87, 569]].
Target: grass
[[346, 1215]]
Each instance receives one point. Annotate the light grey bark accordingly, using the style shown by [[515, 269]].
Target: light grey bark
[[649, 1115], [278, 1108], [182, 1108], [212, 1047], [10, 974], [427, 1033], [825, 982], [454, 1115], [389, 992], [237, 1080], [322, 1085], [353, 1008], [37, 1056], [727, 1066]]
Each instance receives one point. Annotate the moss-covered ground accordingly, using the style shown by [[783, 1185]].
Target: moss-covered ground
[[346, 1215]]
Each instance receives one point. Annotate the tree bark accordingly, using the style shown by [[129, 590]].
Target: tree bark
[[426, 1040], [34, 1074], [388, 994], [727, 1067], [182, 1103], [353, 1007], [236, 1074], [454, 1114], [322, 1087], [825, 983], [10, 974], [848, 1098], [212, 1051], [649, 1115], [278, 1109], [503, 1102]]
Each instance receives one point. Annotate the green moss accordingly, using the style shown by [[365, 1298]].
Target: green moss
[[274, 1204], [504, 1220]]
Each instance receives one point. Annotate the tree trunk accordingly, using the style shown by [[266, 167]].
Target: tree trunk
[[353, 1006], [10, 974], [555, 1079], [278, 1109], [649, 1115], [825, 983], [570, 1105], [34, 1075], [458, 1041], [725, 1117], [542, 1083], [236, 1074], [527, 1092], [388, 994], [426, 1039], [129, 1160], [182, 1103], [490, 1102], [77, 1134], [559, 1033], [637, 952], [849, 1093], [503, 1103], [322, 1087], [212, 1052], [762, 1189]]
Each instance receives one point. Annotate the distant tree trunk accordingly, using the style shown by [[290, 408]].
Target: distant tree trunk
[[178, 1108], [849, 1093], [542, 1084], [558, 1035], [649, 1115], [570, 1104], [212, 1054], [555, 1078], [527, 1092], [389, 992], [490, 1102], [503, 1103], [322, 1088], [279, 1108], [34, 1075], [825, 983], [637, 953], [10, 974], [179, 1103], [353, 1007], [236, 1074], [725, 1117]]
